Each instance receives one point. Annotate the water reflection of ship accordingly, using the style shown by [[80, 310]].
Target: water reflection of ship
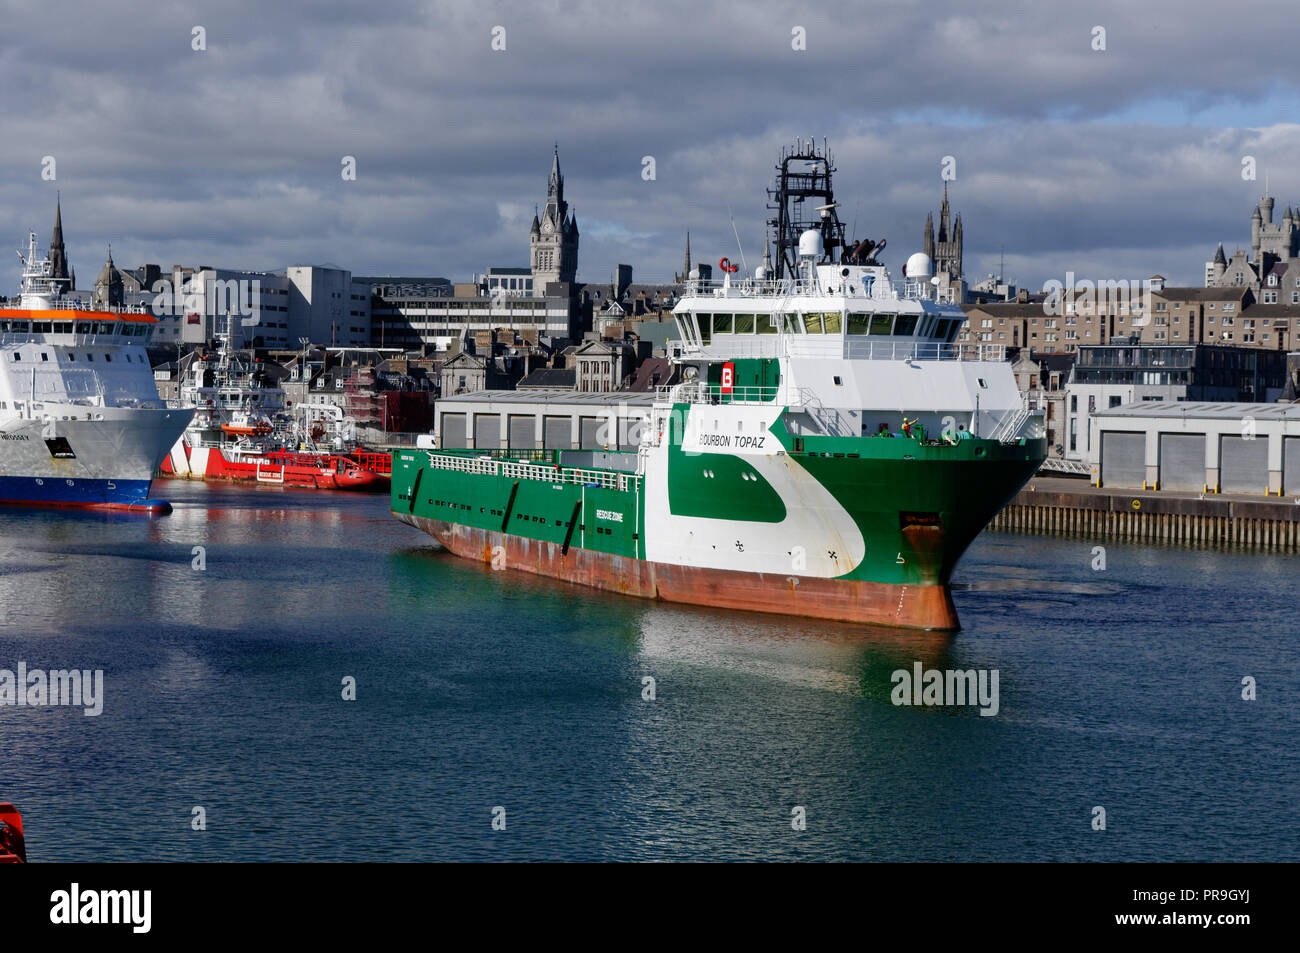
[[841, 657], [244, 432]]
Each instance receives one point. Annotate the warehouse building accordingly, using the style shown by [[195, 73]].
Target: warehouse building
[[537, 420], [1248, 448]]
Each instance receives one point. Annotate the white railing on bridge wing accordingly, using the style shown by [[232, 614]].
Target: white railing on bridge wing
[[878, 350], [851, 347], [751, 288], [697, 392], [877, 288]]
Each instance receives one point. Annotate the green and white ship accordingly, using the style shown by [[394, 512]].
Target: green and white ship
[[831, 452]]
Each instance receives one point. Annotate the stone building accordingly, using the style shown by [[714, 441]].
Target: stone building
[[108, 286], [945, 251], [1042, 379], [553, 239], [602, 366], [1270, 242]]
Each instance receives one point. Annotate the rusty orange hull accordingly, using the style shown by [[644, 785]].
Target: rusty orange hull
[[911, 606]]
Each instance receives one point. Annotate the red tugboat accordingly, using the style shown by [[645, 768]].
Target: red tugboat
[[13, 849], [242, 433], [309, 471]]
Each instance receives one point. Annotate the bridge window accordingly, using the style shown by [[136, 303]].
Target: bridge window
[[767, 324], [744, 324], [832, 322], [722, 324], [881, 323], [812, 323], [906, 324], [858, 323]]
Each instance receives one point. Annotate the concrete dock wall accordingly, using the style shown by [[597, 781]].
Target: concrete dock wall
[[1151, 517]]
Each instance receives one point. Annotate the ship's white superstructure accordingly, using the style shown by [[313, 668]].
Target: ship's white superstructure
[[81, 422], [851, 349]]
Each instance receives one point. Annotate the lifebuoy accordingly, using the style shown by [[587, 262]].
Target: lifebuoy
[[726, 265]]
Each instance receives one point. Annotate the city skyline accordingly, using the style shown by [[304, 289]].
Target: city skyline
[[1102, 161]]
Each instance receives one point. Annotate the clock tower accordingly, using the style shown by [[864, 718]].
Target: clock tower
[[553, 239]]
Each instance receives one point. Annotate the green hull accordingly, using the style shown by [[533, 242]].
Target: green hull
[[917, 507]]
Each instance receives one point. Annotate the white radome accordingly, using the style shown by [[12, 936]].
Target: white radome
[[810, 244], [920, 266]]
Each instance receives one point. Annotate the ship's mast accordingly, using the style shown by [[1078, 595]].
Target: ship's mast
[[803, 173], [803, 199]]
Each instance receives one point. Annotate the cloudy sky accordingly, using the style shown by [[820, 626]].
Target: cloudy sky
[[1119, 162]]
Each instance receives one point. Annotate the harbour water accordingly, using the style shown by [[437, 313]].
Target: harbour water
[[1119, 688]]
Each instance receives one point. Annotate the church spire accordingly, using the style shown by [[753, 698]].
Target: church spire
[[945, 230], [58, 257], [556, 185], [686, 272]]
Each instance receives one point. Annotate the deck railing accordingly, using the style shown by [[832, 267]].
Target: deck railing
[[833, 346], [487, 465], [873, 287]]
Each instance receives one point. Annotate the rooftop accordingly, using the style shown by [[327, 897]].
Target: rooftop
[[1211, 411], [544, 397]]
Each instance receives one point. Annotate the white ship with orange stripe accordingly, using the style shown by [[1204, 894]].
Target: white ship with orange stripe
[[81, 422]]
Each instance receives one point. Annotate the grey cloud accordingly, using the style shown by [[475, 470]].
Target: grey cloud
[[231, 157]]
